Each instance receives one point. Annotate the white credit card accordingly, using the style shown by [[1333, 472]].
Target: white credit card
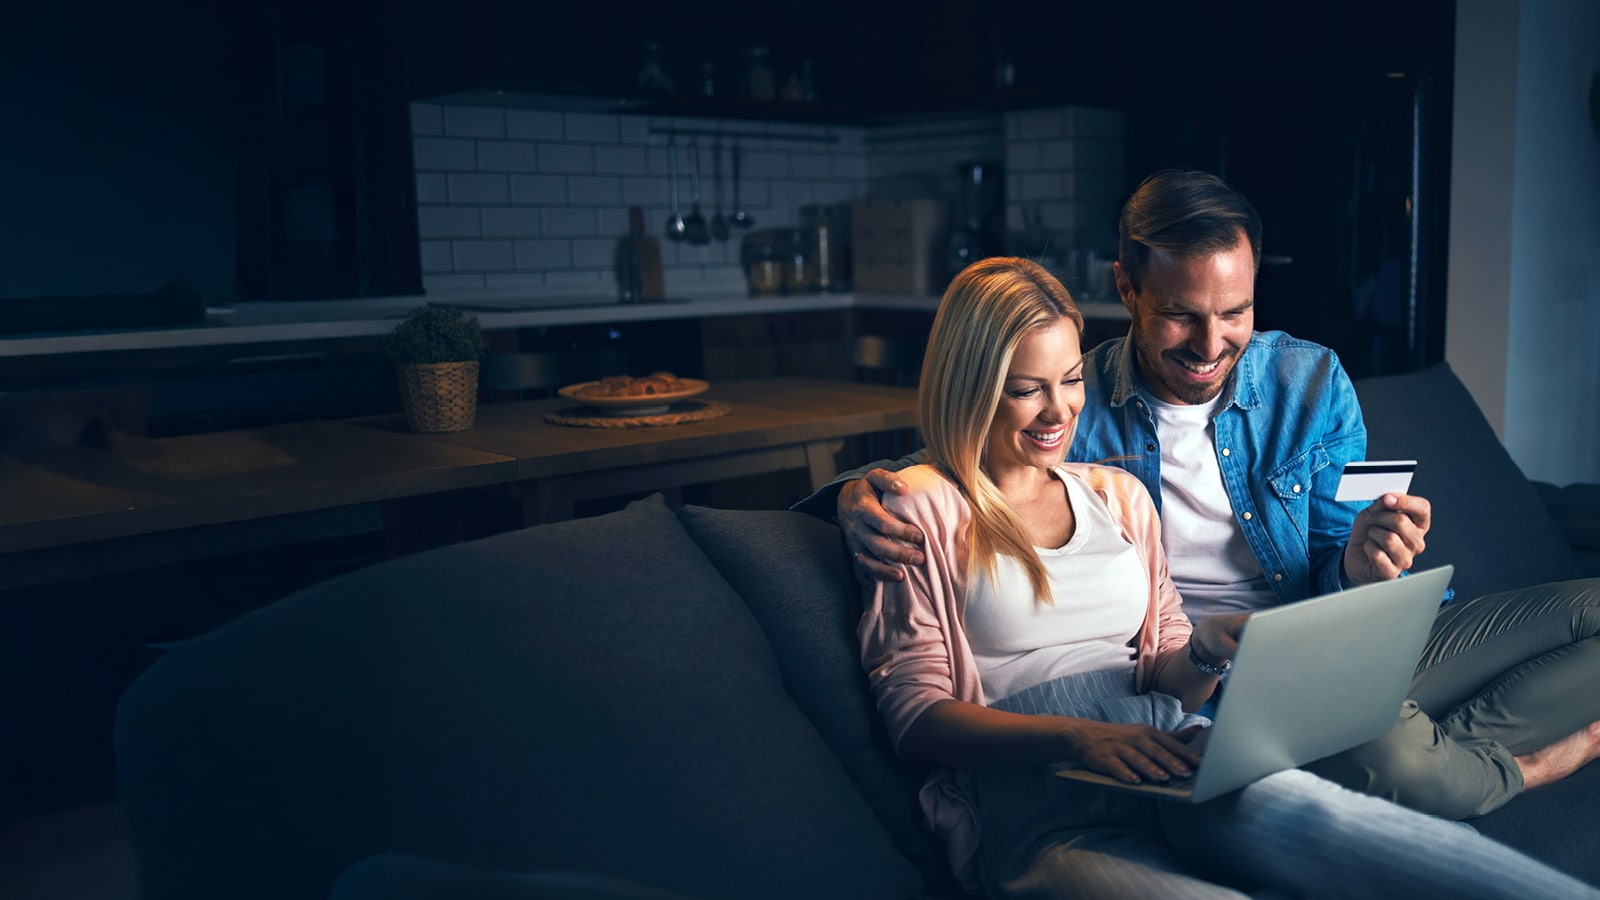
[[1364, 481]]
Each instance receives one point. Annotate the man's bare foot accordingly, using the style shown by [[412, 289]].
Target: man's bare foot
[[1557, 761]]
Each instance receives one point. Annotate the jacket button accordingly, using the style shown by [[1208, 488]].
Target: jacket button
[[1149, 448], [1226, 452], [1278, 577], [1247, 517], [1296, 489]]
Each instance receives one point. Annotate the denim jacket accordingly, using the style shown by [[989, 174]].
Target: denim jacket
[[1282, 439]]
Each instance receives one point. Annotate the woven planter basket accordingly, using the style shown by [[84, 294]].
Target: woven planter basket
[[440, 396]]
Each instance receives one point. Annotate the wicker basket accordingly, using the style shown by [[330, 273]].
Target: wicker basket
[[440, 396]]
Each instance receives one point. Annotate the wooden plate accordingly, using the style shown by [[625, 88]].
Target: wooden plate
[[641, 405]]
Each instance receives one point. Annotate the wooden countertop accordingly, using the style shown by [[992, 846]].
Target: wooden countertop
[[141, 486]]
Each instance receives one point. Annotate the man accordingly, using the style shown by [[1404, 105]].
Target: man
[[1241, 438]]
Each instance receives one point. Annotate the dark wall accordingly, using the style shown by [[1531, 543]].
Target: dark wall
[[118, 156]]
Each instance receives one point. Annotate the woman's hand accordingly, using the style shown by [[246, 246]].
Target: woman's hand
[[878, 541], [1133, 753]]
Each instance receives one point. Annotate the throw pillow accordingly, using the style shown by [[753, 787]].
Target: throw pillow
[[792, 572]]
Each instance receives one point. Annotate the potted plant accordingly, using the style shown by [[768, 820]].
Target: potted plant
[[435, 351]]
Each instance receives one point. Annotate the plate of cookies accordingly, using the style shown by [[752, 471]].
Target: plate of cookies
[[625, 395]]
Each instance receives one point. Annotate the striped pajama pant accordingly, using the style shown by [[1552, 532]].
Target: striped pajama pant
[[1289, 834]]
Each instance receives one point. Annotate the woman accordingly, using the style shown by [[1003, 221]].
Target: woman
[[1043, 627]]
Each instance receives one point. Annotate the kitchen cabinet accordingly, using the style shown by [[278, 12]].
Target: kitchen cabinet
[[326, 194], [857, 63]]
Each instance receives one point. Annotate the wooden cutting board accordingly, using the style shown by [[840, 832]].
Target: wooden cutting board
[[639, 261]]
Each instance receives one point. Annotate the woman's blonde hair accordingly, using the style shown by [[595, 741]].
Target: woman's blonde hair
[[985, 313]]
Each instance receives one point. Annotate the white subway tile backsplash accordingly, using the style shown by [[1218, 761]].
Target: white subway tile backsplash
[[633, 129], [810, 166], [1037, 123], [483, 256], [449, 284], [592, 128], [1098, 154], [1098, 185], [573, 222], [593, 253], [507, 156], [764, 164], [575, 278], [620, 160], [513, 279], [543, 254], [533, 125], [444, 155], [448, 221], [474, 121], [538, 189], [432, 188], [614, 222], [1061, 154], [526, 197], [512, 221], [836, 192], [436, 256], [427, 119], [566, 159], [648, 191], [1039, 186], [478, 189], [594, 190], [851, 167]]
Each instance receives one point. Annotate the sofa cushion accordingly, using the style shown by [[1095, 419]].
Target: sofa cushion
[[589, 696], [1487, 519], [792, 571]]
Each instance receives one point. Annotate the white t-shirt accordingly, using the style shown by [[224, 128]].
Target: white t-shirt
[[1100, 592], [1211, 564]]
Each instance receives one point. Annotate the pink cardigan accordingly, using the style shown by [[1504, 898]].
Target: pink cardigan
[[913, 635]]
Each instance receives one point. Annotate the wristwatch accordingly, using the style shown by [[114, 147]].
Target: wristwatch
[[1219, 671]]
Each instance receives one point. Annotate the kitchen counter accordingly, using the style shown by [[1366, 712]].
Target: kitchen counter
[[256, 323]]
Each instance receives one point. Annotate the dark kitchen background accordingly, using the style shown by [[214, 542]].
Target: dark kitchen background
[[168, 156]]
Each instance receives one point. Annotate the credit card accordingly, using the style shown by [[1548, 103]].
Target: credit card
[[1367, 481]]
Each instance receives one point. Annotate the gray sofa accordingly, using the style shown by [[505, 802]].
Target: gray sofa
[[645, 704]]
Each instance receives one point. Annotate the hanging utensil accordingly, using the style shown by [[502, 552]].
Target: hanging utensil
[[719, 225], [676, 226], [739, 217], [694, 225]]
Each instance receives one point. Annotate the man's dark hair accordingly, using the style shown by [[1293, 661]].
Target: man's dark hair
[[1185, 213]]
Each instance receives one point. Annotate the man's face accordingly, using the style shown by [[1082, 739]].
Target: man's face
[[1192, 317]]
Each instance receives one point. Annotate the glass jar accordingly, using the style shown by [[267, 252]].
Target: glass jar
[[763, 258], [759, 81]]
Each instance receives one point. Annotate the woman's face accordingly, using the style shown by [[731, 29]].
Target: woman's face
[[1039, 402]]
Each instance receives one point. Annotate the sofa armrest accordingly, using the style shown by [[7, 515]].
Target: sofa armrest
[[1576, 510]]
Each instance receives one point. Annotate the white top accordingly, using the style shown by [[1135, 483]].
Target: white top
[[1210, 561], [1100, 592]]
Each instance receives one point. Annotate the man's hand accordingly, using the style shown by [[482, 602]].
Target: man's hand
[[1387, 537], [877, 541], [1216, 638]]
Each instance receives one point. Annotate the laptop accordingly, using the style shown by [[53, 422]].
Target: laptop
[[1310, 679]]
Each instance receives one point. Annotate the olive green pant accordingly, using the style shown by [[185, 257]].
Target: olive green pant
[[1502, 676]]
